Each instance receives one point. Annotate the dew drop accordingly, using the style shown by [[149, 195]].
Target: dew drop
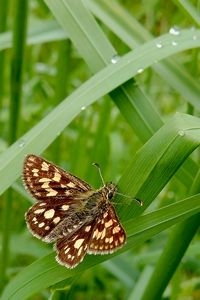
[[139, 71], [115, 59], [181, 132], [21, 143], [174, 30], [83, 107], [174, 43], [159, 45]]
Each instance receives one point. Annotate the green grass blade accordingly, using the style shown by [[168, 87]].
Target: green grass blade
[[46, 272], [103, 82], [129, 30], [173, 143]]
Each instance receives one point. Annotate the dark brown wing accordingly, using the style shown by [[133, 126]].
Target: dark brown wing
[[60, 195], [46, 182], [101, 236], [108, 234], [71, 251], [51, 221]]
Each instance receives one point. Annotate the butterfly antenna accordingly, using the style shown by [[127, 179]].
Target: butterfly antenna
[[99, 170], [140, 202]]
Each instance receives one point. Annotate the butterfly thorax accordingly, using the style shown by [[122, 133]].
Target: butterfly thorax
[[98, 201]]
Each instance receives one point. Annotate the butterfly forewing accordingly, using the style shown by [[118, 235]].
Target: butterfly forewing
[[59, 193], [45, 181], [70, 213]]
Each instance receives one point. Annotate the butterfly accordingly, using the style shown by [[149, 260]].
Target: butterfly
[[78, 219]]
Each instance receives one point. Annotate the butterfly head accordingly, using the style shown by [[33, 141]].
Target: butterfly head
[[109, 190]]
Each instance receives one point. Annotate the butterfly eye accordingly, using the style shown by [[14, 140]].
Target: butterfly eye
[[110, 195]]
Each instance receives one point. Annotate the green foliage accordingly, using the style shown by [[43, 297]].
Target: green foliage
[[77, 103]]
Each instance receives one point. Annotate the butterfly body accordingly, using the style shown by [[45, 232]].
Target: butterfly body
[[70, 213]]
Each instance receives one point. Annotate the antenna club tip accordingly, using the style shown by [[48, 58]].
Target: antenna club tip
[[141, 203], [96, 164]]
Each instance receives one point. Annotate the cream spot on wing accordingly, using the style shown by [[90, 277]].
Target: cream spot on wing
[[67, 250], [49, 213], [74, 238], [45, 185], [121, 239], [78, 243], [103, 234], [111, 239], [40, 225], [51, 192], [116, 229], [67, 193], [87, 228], [44, 179], [39, 211], [98, 235], [42, 204], [35, 172], [70, 184], [109, 223], [47, 228], [65, 207], [56, 220], [95, 233], [80, 251], [45, 166], [56, 177], [37, 194], [116, 243], [105, 215], [35, 175]]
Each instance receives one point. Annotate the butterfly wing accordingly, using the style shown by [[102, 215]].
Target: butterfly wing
[[45, 181], [101, 236], [71, 251], [59, 196], [108, 234]]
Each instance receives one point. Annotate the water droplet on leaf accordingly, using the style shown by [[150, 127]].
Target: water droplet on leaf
[[174, 30], [115, 59]]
